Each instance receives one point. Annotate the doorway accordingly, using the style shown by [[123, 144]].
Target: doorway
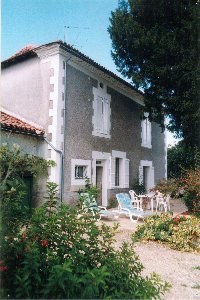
[[99, 176], [146, 178]]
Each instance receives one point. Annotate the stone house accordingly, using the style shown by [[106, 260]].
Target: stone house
[[91, 118]]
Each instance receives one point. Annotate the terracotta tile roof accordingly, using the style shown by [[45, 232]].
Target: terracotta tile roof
[[9, 122], [24, 50]]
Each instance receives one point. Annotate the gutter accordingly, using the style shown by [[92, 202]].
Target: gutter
[[61, 167]]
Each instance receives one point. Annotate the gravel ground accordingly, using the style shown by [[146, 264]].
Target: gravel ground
[[178, 268]]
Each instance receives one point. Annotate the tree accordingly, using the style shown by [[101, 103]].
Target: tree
[[180, 159], [156, 45]]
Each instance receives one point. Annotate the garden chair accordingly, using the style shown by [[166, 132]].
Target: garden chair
[[162, 202], [90, 204], [136, 200], [126, 207]]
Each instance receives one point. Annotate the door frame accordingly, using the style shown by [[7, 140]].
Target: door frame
[[150, 173], [104, 158]]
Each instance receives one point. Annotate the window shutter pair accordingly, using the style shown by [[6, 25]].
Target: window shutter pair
[[102, 115], [124, 170]]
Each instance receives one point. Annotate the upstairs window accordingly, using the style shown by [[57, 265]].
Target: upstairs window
[[146, 132], [102, 112]]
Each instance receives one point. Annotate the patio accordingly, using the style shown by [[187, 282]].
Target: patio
[[176, 267]]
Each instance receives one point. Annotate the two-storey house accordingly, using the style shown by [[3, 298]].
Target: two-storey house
[[91, 118]]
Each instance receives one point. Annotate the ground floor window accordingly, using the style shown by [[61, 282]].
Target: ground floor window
[[117, 171], [80, 170]]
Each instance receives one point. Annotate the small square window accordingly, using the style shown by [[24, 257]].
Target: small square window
[[80, 172]]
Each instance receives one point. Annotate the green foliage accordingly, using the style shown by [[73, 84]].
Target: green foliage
[[169, 186], [66, 255], [14, 166], [52, 202], [191, 196], [113, 203], [180, 233], [187, 187], [139, 188], [181, 158], [91, 190], [14, 211], [156, 45]]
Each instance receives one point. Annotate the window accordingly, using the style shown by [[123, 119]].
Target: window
[[80, 172], [119, 170], [146, 131], [116, 171], [101, 117]]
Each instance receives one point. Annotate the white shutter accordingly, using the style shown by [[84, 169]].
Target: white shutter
[[99, 114], [152, 181], [148, 133], [140, 175], [105, 117], [126, 173], [143, 132], [112, 172]]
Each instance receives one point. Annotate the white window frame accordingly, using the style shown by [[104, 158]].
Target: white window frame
[[101, 122], [147, 163], [146, 132], [123, 170], [80, 162]]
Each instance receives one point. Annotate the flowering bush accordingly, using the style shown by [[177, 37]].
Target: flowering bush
[[181, 232], [64, 254], [188, 187], [191, 196]]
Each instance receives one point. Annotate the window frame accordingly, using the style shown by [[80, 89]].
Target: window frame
[[82, 163], [101, 117], [146, 133]]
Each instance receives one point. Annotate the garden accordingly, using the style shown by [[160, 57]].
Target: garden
[[61, 252]]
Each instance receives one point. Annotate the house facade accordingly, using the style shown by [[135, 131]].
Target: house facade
[[93, 122]]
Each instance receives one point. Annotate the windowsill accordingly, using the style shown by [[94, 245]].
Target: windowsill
[[146, 146], [107, 136]]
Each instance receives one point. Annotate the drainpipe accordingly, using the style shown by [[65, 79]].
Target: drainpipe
[[61, 167]]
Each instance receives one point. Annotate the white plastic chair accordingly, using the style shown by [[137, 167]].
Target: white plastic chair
[[136, 200], [162, 202]]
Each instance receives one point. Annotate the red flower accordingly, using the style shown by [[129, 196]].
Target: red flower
[[44, 243], [3, 268]]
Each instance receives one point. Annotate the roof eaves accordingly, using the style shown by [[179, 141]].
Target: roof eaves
[[75, 52]]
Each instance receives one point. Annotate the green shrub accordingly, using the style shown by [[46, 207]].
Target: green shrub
[[113, 203], [139, 188], [14, 210], [181, 233], [191, 196], [66, 255]]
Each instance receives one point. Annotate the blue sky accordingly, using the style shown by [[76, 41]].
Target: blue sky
[[42, 21], [38, 22]]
